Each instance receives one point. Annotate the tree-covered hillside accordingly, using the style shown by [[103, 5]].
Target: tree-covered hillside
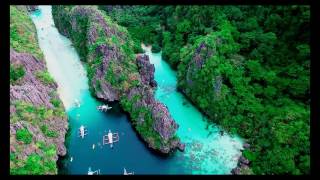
[[246, 67]]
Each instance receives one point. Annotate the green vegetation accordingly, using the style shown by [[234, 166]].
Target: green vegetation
[[142, 119], [141, 22], [23, 33], [36, 164], [257, 84], [115, 75], [47, 132], [45, 77], [16, 73], [30, 113], [24, 135], [246, 67], [38, 117], [155, 48], [56, 102]]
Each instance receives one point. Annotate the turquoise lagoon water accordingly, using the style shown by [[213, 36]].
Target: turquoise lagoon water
[[206, 151]]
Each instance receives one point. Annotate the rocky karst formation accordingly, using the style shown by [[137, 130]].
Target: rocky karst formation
[[38, 123], [31, 90], [146, 70], [116, 74]]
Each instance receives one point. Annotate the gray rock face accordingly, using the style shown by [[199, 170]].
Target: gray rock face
[[178, 144], [31, 90], [163, 122], [243, 160], [146, 70], [197, 62], [236, 171], [243, 164], [105, 91]]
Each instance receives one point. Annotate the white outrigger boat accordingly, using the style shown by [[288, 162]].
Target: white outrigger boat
[[82, 131], [96, 172], [104, 107], [127, 173], [110, 138]]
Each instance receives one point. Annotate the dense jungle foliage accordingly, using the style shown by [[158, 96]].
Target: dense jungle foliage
[[246, 67]]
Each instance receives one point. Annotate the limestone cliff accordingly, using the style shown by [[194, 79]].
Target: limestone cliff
[[116, 74], [38, 123]]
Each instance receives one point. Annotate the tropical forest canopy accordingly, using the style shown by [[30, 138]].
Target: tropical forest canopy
[[246, 67]]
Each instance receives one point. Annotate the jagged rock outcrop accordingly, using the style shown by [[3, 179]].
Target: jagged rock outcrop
[[146, 70], [242, 167], [38, 123], [31, 90], [243, 164], [116, 74], [163, 122]]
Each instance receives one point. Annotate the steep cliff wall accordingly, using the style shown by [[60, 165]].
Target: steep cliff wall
[[116, 74], [38, 123]]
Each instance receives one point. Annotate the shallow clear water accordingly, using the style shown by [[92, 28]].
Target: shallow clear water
[[206, 151]]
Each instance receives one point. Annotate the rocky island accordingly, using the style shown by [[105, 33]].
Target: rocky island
[[116, 74]]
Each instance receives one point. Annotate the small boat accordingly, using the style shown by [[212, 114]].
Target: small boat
[[96, 172], [127, 173], [71, 159], [93, 146], [110, 138], [82, 131], [104, 107]]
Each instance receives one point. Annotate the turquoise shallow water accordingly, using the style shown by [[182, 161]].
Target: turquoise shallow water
[[206, 151]]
